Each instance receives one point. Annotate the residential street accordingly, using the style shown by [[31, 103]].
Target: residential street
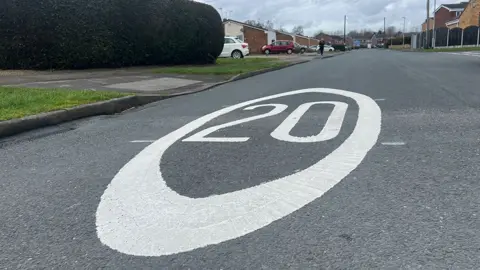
[[383, 174]]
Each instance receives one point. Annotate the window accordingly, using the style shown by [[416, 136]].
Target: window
[[458, 13], [229, 41]]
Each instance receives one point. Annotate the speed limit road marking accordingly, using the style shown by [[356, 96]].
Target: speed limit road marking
[[140, 215]]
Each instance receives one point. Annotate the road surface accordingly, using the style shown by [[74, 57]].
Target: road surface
[[368, 160]]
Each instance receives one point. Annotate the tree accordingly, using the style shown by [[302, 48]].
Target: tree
[[391, 30], [268, 24], [353, 33], [255, 23], [338, 33], [318, 33], [297, 30]]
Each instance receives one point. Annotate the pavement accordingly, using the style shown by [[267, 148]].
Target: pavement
[[133, 80], [372, 165], [468, 54]]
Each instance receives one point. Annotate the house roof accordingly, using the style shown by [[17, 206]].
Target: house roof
[[453, 7], [264, 29], [245, 24], [285, 33]]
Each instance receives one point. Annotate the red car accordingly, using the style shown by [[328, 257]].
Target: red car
[[283, 46]]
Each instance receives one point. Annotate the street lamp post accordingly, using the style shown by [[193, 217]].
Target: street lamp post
[[384, 31], [403, 32], [434, 34], [428, 24]]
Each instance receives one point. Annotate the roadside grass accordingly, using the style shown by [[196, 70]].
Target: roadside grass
[[463, 49], [225, 66], [17, 102], [400, 47]]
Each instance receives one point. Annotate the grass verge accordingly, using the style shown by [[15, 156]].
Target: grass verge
[[225, 66], [17, 102]]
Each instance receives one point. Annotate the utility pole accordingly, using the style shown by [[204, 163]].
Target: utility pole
[[384, 31], [403, 32], [434, 34], [345, 30], [428, 24]]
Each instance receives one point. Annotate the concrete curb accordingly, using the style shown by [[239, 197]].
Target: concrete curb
[[328, 56], [16, 126]]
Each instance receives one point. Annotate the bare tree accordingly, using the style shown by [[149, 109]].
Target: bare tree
[[354, 33], [268, 24], [255, 23], [297, 30], [391, 30], [318, 33], [337, 33]]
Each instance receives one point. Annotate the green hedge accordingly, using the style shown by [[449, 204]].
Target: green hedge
[[78, 34], [399, 40], [339, 47]]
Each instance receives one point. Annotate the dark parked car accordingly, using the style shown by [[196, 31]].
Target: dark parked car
[[283, 46]]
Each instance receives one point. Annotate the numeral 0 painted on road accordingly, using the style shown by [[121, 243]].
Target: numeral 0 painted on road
[[140, 215], [282, 132]]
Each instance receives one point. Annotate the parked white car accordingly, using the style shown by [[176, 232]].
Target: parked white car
[[328, 48], [235, 48]]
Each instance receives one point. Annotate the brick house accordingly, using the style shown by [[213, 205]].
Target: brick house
[[302, 40], [331, 39], [471, 15], [284, 36], [424, 25], [313, 41], [256, 37], [447, 15]]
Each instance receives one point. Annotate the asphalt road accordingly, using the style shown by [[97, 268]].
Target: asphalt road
[[392, 182]]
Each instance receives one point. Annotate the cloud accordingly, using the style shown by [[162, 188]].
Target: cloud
[[327, 15]]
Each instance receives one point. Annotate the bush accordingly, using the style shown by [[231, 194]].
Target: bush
[[77, 34], [399, 40], [339, 47]]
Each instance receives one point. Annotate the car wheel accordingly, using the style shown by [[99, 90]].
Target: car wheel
[[289, 51], [302, 51], [267, 52], [237, 54]]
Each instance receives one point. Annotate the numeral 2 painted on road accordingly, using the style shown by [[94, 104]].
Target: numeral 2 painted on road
[[282, 132]]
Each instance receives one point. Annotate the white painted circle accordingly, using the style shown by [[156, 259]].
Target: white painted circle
[[140, 215]]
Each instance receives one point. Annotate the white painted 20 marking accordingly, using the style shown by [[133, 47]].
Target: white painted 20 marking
[[140, 215], [282, 132]]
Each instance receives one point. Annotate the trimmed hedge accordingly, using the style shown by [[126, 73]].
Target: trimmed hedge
[[339, 47], [79, 34]]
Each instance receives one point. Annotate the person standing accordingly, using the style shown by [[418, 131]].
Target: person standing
[[321, 46]]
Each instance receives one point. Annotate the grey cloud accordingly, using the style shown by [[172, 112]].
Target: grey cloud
[[327, 15]]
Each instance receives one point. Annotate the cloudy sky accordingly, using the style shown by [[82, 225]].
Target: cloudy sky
[[327, 15]]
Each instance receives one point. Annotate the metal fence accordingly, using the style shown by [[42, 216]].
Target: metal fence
[[445, 37]]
